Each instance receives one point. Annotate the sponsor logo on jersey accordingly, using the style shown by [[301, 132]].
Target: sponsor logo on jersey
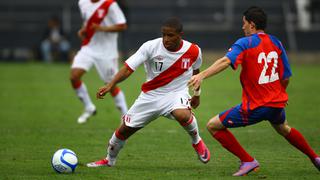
[[185, 63], [159, 57]]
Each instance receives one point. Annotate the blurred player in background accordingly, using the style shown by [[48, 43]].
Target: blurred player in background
[[55, 44], [103, 19], [169, 63], [264, 78]]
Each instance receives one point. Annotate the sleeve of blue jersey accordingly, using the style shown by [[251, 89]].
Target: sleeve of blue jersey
[[287, 70], [236, 49]]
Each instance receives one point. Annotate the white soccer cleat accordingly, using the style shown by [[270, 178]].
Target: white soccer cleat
[[86, 115]]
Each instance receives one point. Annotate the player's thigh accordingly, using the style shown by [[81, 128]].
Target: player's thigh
[[278, 121], [106, 68], [276, 116], [144, 110], [283, 129], [181, 115], [237, 117], [82, 61], [178, 102]]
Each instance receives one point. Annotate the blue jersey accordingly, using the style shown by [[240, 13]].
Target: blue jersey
[[264, 64]]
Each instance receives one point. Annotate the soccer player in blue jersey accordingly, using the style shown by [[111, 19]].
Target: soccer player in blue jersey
[[264, 78]]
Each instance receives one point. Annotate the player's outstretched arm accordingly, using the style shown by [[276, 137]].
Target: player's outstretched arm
[[195, 99], [218, 66], [123, 74]]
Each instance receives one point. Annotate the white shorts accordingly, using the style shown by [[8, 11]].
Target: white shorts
[[106, 68], [149, 107]]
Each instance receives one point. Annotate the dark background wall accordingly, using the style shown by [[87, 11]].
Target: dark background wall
[[213, 24]]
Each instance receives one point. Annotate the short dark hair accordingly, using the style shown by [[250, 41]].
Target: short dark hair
[[257, 15], [173, 22]]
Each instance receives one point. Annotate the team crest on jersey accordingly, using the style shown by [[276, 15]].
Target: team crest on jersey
[[185, 63], [100, 13], [230, 49]]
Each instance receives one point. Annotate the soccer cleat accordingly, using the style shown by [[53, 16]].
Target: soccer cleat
[[102, 162], [247, 167], [202, 151], [86, 115], [316, 162]]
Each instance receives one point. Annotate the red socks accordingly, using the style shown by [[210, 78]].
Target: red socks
[[119, 136], [115, 91], [297, 140], [76, 84], [228, 141]]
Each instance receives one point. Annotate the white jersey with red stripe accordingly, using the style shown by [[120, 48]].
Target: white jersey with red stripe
[[166, 71], [102, 43]]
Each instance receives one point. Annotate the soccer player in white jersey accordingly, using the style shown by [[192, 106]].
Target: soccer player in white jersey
[[169, 63], [103, 19]]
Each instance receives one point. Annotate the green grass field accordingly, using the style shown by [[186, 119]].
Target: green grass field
[[38, 112]]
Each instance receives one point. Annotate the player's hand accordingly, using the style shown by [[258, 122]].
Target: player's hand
[[103, 91], [82, 33], [195, 101], [195, 81]]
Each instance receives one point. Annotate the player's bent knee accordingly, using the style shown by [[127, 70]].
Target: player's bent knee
[[283, 129], [210, 126], [182, 115], [74, 78], [214, 124], [76, 74]]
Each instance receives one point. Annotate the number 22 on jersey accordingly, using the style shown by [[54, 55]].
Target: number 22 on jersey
[[271, 57]]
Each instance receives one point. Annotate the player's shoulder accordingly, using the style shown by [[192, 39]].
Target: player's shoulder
[[243, 41], [153, 42], [248, 41], [275, 40], [188, 43]]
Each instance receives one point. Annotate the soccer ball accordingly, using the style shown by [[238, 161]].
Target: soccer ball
[[64, 161]]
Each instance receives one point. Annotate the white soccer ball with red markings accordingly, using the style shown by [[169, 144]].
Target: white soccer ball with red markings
[[64, 161]]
